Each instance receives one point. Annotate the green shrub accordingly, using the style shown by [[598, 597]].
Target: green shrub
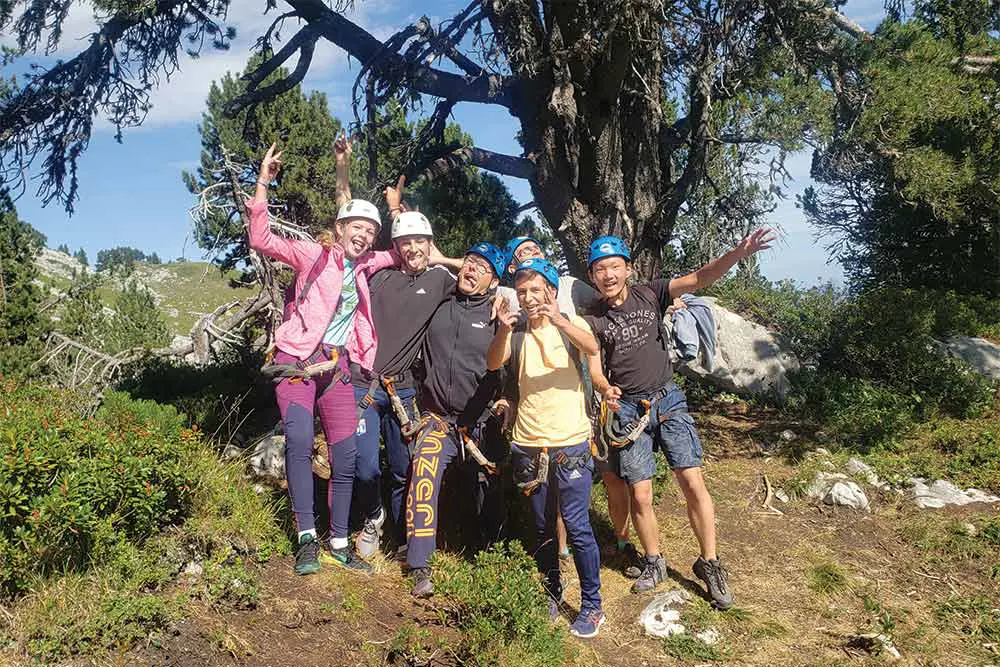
[[499, 604], [218, 397], [102, 515], [803, 316], [73, 490]]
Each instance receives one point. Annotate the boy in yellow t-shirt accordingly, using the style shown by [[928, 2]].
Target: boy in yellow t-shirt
[[545, 354]]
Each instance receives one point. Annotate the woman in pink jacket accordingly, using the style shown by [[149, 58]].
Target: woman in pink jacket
[[330, 319]]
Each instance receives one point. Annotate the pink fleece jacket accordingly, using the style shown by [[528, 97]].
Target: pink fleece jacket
[[299, 336]]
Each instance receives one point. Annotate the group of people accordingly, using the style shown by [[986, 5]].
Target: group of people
[[444, 367]]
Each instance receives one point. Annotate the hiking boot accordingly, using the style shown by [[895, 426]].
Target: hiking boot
[[423, 587], [633, 563], [716, 579], [653, 572], [587, 623], [370, 536], [347, 559], [307, 557]]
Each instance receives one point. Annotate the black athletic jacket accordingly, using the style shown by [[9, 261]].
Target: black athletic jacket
[[457, 386]]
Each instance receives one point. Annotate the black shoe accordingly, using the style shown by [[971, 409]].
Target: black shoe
[[347, 559], [716, 579], [423, 587], [307, 557], [633, 563]]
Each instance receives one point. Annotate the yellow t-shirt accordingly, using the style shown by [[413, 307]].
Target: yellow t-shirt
[[552, 409]]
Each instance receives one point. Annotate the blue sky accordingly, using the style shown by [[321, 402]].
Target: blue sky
[[131, 193]]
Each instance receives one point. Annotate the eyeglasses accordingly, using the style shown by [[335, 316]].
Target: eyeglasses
[[480, 268], [526, 250]]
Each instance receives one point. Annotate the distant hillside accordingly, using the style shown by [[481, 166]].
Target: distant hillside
[[183, 290]]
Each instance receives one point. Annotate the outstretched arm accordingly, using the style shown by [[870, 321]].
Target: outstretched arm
[[295, 253], [760, 239], [342, 154]]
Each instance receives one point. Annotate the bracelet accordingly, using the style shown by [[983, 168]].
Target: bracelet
[[265, 184]]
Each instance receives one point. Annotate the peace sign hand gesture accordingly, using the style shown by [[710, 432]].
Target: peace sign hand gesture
[[342, 149], [270, 166]]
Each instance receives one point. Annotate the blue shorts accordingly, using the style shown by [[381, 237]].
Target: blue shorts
[[670, 429]]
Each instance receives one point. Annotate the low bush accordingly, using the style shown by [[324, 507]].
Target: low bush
[[102, 515], [499, 604]]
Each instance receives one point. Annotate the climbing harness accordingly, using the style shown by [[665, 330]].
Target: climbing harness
[[315, 365], [632, 431], [469, 446], [541, 473], [407, 426]]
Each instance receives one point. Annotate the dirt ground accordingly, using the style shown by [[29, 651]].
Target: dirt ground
[[337, 618]]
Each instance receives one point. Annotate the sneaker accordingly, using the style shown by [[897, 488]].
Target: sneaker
[[370, 536], [588, 623], [307, 557], [716, 579], [634, 564], [347, 559], [654, 572], [423, 587]]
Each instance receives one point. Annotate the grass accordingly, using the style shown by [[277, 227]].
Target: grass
[[827, 578], [689, 648]]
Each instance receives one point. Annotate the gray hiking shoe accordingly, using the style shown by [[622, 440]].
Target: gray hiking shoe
[[654, 572], [716, 579], [423, 587], [370, 536]]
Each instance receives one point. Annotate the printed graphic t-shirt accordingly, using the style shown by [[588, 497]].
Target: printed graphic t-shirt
[[552, 410], [634, 350], [343, 318]]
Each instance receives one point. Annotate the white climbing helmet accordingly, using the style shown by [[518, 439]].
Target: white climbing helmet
[[359, 208], [411, 223]]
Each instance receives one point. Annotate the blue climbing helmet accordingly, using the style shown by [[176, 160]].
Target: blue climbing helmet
[[542, 266], [608, 246], [496, 257], [513, 245]]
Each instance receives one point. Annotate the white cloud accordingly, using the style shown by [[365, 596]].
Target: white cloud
[[181, 98]]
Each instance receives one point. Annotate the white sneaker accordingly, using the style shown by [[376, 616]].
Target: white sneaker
[[370, 535]]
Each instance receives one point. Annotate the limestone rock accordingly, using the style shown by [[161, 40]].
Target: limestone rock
[[940, 493], [749, 359], [838, 489], [267, 461], [981, 354], [661, 617], [859, 468]]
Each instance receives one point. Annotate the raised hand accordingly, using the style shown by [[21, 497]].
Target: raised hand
[[394, 195], [342, 149], [504, 316], [757, 240], [550, 309], [270, 165]]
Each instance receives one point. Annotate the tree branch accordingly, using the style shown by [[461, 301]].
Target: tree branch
[[508, 165], [305, 42], [394, 68]]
